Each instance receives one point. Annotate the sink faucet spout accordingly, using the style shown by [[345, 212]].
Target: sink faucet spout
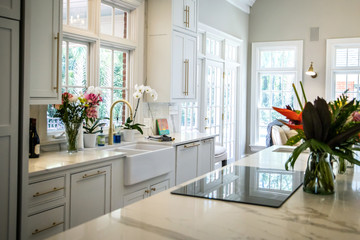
[[111, 130]]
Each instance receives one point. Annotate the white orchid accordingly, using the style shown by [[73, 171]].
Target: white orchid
[[154, 94], [137, 95], [147, 89], [139, 89]]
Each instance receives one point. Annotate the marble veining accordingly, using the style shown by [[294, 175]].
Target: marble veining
[[302, 216]]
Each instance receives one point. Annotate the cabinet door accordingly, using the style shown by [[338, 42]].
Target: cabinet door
[[44, 37], [10, 9], [178, 80], [192, 15], [190, 71], [186, 162], [159, 187], [206, 154], [46, 224], [136, 196], [89, 195], [9, 92], [184, 14]]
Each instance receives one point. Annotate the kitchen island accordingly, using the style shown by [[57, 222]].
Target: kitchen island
[[302, 216]]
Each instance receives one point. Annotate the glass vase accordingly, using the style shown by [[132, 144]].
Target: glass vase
[[72, 131], [342, 165], [319, 178]]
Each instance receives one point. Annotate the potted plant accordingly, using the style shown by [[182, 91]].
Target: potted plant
[[130, 126], [92, 124], [91, 128]]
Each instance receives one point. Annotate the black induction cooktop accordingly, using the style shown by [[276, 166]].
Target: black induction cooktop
[[250, 185]]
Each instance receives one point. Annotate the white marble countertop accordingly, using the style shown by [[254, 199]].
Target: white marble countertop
[[302, 216], [55, 161], [183, 138]]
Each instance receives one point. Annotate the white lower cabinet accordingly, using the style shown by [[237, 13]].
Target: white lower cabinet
[[186, 162], [90, 195], [147, 189], [47, 223], [194, 159]]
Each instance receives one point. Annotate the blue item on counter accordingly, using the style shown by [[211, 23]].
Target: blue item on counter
[[117, 138]]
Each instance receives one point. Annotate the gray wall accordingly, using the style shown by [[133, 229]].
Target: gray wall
[[225, 17], [279, 20]]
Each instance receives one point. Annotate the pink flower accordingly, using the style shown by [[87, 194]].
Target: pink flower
[[92, 99], [91, 112], [356, 116]]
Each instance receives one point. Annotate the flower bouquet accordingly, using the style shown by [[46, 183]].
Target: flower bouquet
[[72, 112], [327, 129]]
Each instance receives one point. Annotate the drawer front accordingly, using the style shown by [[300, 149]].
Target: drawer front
[[136, 196], [47, 190], [45, 224]]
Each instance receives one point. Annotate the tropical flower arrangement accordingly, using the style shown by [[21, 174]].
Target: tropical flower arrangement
[[140, 91], [74, 110], [93, 99], [327, 129]]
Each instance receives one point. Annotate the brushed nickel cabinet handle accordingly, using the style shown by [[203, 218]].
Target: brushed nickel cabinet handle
[[187, 78], [55, 189], [93, 175], [188, 16], [57, 62], [36, 231], [186, 10]]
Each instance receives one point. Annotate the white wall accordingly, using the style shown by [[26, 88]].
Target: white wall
[[279, 20], [225, 17]]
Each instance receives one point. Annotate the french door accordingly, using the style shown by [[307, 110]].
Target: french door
[[220, 102]]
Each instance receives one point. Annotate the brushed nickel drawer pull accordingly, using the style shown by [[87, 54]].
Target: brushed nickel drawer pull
[[93, 175], [47, 228], [55, 189]]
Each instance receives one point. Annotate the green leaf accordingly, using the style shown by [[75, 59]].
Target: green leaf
[[311, 122], [341, 137], [295, 154], [322, 108]]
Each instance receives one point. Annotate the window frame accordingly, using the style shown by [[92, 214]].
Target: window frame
[[331, 45], [96, 40], [257, 47]]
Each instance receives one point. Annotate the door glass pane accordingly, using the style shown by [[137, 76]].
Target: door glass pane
[[78, 13], [106, 19], [65, 12]]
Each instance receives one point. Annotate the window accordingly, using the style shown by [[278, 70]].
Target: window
[[93, 54], [275, 67], [343, 67], [113, 82], [75, 13], [113, 21]]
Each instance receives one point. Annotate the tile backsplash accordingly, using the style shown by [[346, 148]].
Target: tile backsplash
[[170, 111]]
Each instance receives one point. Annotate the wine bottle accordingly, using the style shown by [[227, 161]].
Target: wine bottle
[[34, 140]]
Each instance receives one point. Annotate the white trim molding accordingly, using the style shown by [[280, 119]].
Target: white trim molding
[[243, 5], [255, 84], [331, 45]]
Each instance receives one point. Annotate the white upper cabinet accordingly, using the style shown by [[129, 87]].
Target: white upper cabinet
[[184, 14], [171, 49], [183, 66], [10, 9], [43, 36]]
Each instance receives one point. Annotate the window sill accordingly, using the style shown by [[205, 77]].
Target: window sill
[[256, 147]]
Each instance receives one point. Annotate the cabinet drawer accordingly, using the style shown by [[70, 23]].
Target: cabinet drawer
[[136, 196], [46, 224], [46, 190]]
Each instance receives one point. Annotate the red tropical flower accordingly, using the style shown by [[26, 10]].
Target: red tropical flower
[[295, 119]]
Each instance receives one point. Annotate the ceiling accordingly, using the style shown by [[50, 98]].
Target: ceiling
[[243, 5]]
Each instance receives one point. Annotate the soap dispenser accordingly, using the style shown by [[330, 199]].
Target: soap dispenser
[[101, 138]]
